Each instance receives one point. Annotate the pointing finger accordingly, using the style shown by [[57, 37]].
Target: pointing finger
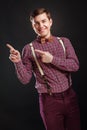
[[10, 47], [40, 52]]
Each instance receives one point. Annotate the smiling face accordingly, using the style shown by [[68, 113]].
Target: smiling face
[[42, 25]]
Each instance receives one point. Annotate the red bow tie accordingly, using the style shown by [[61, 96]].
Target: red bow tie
[[44, 40]]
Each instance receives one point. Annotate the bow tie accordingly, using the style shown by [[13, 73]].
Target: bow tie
[[44, 40]]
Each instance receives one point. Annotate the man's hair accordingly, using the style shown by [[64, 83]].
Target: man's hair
[[38, 11]]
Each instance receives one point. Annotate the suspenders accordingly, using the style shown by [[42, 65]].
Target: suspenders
[[61, 42], [40, 70], [39, 67]]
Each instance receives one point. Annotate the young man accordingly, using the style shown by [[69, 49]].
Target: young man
[[59, 106]]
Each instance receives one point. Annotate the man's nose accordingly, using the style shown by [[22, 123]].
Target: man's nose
[[41, 25]]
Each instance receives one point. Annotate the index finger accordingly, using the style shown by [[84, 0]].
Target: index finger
[[40, 52], [10, 47]]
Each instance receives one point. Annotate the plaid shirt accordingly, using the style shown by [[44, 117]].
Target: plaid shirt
[[58, 73]]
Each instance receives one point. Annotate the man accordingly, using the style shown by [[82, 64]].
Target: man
[[59, 109]]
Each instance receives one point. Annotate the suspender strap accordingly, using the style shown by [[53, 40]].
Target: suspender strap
[[35, 58], [41, 71], [61, 42]]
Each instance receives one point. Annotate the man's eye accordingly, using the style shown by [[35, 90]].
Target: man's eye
[[44, 21], [36, 23]]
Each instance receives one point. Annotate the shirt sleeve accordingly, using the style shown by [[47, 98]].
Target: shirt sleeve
[[70, 62], [24, 67]]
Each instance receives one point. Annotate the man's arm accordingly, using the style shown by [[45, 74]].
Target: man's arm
[[69, 63], [23, 71]]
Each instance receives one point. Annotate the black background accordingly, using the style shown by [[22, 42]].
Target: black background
[[19, 108]]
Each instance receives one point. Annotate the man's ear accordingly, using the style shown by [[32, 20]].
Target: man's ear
[[32, 25], [51, 22]]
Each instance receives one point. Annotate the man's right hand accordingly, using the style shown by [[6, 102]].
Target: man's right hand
[[14, 54]]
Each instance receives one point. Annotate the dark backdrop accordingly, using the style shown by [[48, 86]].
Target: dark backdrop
[[19, 108]]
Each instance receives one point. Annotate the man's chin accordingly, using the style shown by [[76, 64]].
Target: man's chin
[[43, 35]]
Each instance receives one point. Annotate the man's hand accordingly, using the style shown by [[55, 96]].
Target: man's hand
[[45, 56], [14, 54]]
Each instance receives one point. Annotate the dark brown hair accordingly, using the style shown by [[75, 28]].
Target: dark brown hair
[[38, 11]]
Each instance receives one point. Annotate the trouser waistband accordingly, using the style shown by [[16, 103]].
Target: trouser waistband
[[61, 94]]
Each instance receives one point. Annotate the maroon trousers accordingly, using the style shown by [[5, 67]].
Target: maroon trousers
[[60, 111]]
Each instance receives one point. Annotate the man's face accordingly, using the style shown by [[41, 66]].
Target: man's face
[[42, 25]]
